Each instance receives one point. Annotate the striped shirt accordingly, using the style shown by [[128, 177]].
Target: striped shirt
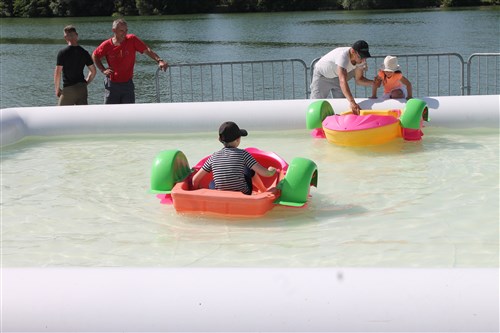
[[228, 167]]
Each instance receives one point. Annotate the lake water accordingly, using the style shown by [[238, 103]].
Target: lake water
[[29, 46]]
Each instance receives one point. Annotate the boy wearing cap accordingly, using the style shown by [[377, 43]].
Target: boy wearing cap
[[335, 68], [233, 168], [390, 76]]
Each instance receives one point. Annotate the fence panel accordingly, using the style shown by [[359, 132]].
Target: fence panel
[[442, 74], [233, 81], [430, 74], [483, 74]]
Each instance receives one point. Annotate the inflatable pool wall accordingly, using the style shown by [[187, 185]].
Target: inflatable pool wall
[[18, 123]]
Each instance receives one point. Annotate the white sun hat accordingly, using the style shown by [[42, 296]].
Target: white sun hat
[[390, 64]]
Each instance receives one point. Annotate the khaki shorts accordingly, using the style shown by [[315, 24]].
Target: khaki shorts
[[74, 95], [322, 86]]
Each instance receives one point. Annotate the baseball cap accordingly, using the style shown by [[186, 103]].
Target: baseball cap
[[362, 48], [229, 131]]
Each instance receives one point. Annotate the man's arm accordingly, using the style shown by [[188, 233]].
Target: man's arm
[[100, 66], [342, 73], [360, 77], [376, 84], [57, 80], [152, 54], [91, 74]]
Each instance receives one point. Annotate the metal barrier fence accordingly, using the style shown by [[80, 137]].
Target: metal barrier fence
[[483, 74], [443, 74], [233, 81], [430, 74]]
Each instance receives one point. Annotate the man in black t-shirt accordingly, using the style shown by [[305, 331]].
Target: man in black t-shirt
[[70, 62]]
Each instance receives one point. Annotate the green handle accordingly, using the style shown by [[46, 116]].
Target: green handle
[[169, 168], [415, 110], [317, 112], [301, 174]]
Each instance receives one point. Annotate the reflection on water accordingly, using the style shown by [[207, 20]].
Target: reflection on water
[[356, 21], [84, 201]]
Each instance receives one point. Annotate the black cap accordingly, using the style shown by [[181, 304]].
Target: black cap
[[229, 131], [362, 48]]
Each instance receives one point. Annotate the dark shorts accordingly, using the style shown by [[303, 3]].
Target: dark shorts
[[248, 174], [119, 92]]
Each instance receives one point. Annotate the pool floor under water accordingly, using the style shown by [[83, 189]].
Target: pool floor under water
[[81, 201]]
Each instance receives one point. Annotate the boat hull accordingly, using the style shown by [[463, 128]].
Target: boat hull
[[363, 130], [228, 203]]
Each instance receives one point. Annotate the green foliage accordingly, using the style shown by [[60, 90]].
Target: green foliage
[[288, 5], [241, 5], [188, 6], [46, 8], [460, 3], [6, 8], [125, 7], [145, 7], [32, 8]]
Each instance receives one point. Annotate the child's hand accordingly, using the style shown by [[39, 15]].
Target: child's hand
[[272, 170]]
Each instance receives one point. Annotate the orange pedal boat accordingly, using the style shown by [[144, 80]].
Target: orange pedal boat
[[171, 178]]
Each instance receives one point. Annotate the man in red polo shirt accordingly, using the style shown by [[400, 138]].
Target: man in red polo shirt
[[119, 52]]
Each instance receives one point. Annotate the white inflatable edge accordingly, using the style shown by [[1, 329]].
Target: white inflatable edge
[[250, 299], [17, 123]]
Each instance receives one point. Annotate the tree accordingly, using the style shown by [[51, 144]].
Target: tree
[[32, 8], [459, 3], [189, 6], [70, 8], [242, 5], [125, 7], [6, 8], [44, 8], [150, 7], [389, 4]]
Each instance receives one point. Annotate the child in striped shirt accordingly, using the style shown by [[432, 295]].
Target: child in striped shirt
[[233, 169]]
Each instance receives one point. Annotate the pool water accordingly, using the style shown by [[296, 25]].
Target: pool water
[[84, 201]]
